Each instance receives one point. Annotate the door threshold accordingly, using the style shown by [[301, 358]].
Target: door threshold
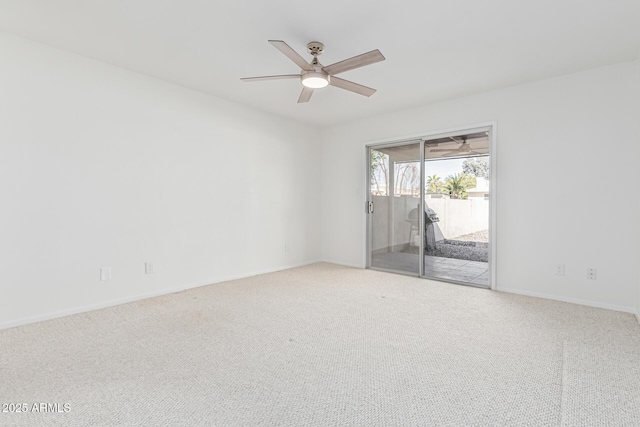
[[456, 282], [386, 270], [437, 279]]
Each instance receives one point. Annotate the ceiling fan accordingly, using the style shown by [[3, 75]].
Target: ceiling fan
[[463, 149], [314, 75]]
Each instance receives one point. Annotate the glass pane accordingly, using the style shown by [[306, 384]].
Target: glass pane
[[457, 200], [395, 193]]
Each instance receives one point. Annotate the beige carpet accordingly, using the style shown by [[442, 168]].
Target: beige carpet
[[325, 345], [601, 385]]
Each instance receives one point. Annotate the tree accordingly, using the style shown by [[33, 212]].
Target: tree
[[407, 177], [458, 184], [434, 184], [477, 166], [379, 171]]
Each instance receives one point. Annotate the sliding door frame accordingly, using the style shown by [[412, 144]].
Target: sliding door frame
[[490, 127]]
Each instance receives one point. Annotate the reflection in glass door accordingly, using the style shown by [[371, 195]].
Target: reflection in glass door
[[394, 223]]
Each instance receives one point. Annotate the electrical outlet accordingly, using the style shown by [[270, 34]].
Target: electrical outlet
[[591, 273], [559, 269], [105, 273], [149, 268], [286, 247]]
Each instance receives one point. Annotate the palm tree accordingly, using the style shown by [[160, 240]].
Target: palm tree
[[434, 184], [457, 185]]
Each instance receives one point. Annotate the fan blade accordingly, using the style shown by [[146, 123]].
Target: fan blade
[[258, 79], [351, 86], [305, 95], [292, 54], [355, 62], [442, 150]]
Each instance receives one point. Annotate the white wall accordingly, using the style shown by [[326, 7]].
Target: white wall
[[638, 133], [103, 167], [560, 142]]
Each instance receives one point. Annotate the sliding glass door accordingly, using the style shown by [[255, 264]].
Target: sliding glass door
[[428, 205]]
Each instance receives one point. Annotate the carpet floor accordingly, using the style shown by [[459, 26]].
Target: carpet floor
[[325, 345]]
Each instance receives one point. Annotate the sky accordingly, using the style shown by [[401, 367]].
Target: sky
[[443, 168]]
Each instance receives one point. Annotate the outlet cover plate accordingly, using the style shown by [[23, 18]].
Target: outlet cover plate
[[149, 268]]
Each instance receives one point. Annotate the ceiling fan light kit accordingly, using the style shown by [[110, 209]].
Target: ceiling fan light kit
[[315, 79], [314, 75]]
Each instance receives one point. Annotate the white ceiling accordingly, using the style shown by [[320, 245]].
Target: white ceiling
[[435, 50]]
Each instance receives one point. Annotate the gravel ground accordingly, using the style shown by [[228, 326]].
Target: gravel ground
[[478, 236], [458, 249], [476, 251]]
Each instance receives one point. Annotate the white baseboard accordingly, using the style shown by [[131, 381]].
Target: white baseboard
[[179, 288], [255, 273], [132, 298], [588, 303], [346, 264]]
